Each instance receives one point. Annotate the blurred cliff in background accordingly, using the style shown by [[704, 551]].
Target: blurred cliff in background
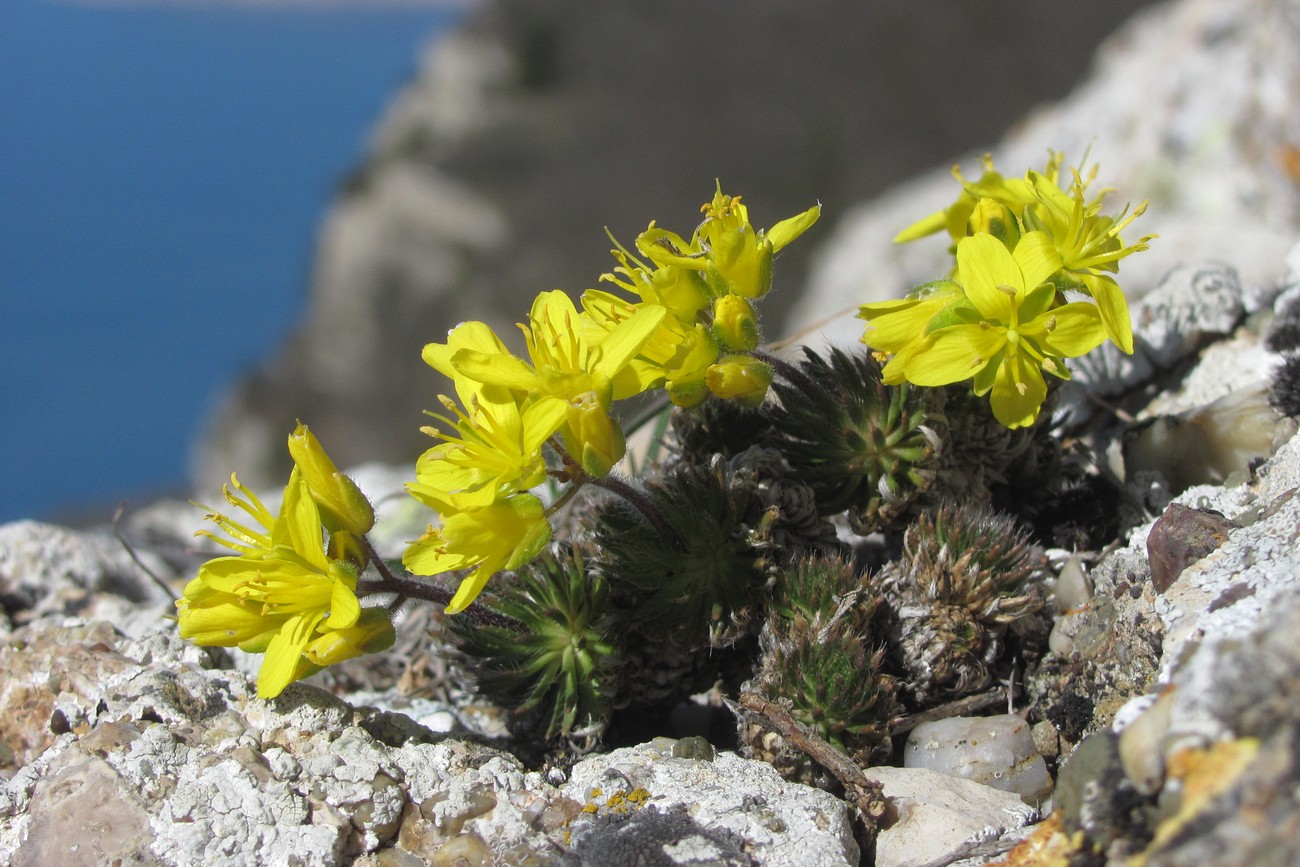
[[538, 123]]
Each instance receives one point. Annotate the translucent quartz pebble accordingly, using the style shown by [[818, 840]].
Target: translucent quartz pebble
[[997, 751]]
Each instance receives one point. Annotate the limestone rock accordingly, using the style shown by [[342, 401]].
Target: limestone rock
[[140, 748], [779, 822], [942, 818], [1190, 105]]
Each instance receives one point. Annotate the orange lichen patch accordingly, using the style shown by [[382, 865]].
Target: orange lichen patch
[[1048, 846], [638, 796], [600, 804], [1288, 156], [1202, 775]]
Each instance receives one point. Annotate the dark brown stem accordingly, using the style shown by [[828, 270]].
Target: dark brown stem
[[410, 588], [642, 504], [130, 550], [866, 795], [960, 707], [788, 371]]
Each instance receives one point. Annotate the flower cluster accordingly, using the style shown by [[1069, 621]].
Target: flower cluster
[[1023, 248], [290, 592], [689, 329], [731, 544]]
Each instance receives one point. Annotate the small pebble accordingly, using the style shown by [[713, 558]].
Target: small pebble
[[1141, 748], [998, 751], [1073, 586], [694, 747], [1182, 536]]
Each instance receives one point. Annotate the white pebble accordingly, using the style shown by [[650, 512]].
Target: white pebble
[[997, 751]]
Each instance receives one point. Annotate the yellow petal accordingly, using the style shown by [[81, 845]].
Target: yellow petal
[[299, 525], [788, 229], [1113, 308], [467, 335], [954, 354], [280, 667], [628, 338], [344, 606], [1037, 257], [539, 420], [990, 275], [1018, 392], [1077, 329], [223, 624], [503, 369], [891, 325], [470, 587], [925, 226], [428, 555]]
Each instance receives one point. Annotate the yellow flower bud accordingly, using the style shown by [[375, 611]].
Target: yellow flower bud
[[687, 392], [342, 505], [593, 436], [347, 547], [740, 378], [735, 324], [686, 370], [996, 219], [372, 633]]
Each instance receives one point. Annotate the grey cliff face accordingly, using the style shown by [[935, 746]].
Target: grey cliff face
[[534, 126], [1191, 105]]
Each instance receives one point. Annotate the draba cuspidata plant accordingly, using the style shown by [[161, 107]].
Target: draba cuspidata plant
[[791, 534]]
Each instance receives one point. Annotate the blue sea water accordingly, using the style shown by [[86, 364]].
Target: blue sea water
[[163, 173]]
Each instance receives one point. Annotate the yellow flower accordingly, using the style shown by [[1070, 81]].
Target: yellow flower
[[342, 505], [1014, 332], [569, 356], [735, 257], [281, 593], [1012, 192], [1086, 240], [741, 378], [677, 354], [493, 453], [504, 535], [577, 367], [893, 325], [681, 290]]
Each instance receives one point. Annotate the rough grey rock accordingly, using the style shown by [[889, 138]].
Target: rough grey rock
[[47, 569], [1190, 308], [781, 823], [536, 124], [140, 748], [1189, 105]]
